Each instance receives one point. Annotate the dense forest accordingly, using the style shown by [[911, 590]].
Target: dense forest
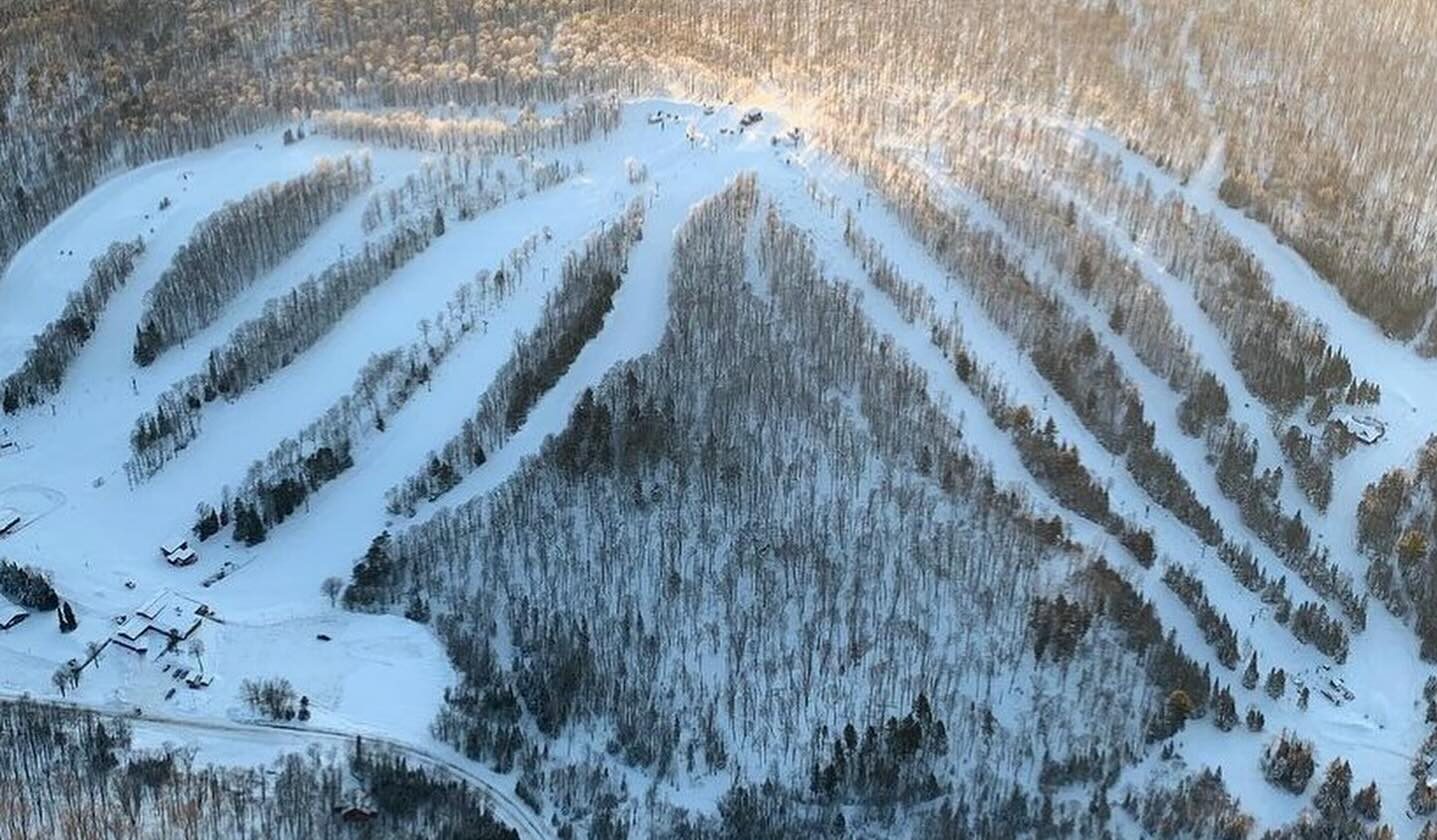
[[777, 551], [662, 480], [79, 774], [1166, 77], [1395, 526]]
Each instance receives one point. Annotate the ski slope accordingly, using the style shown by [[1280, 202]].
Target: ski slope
[[100, 537]]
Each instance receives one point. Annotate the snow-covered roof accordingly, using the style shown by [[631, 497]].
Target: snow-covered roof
[[169, 601], [167, 613], [153, 606], [1365, 429], [132, 630], [174, 546], [183, 557], [176, 622]]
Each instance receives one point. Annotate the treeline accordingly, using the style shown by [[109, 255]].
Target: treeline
[[1214, 625], [190, 84], [1055, 464], [27, 586], [1032, 210], [235, 245], [131, 95], [482, 716], [289, 325], [1287, 763], [1283, 355], [1304, 368], [1065, 351], [1395, 528], [1053, 223], [573, 314], [1315, 627], [1168, 666], [1289, 537], [1311, 624], [77, 772], [575, 123], [279, 483], [1383, 284], [1311, 461], [57, 345], [1230, 445], [459, 187], [1183, 685], [1250, 573], [1198, 806], [1338, 810]]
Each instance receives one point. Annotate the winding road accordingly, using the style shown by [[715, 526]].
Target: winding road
[[504, 804]]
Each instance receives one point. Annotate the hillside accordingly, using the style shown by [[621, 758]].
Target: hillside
[[678, 439]]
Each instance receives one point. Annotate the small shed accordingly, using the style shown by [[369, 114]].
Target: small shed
[[1364, 428], [178, 552], [183, 557]]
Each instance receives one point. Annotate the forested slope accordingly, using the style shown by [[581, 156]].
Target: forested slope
[[888, 435]]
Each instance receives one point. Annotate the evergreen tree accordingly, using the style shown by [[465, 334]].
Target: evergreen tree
[[1249, 677], [1368, 803], [1335, 794], [249, 527], [1276, 683]]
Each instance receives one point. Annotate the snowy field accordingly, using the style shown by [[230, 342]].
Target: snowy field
[[100, 537]]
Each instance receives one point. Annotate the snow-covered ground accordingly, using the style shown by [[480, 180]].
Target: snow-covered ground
[[100, 537]]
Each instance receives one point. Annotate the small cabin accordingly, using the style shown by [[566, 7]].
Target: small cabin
[[179, 553], [183, 557], [1367, 430]]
